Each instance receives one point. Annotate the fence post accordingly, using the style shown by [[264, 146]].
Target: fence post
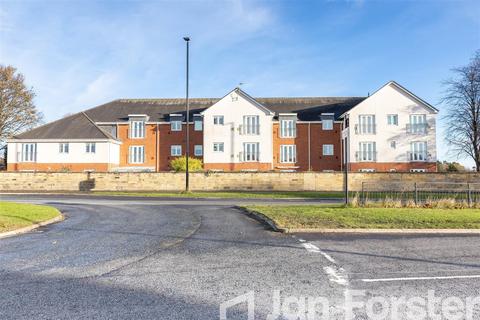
[[362, 193], [416, 194], [469, 195]]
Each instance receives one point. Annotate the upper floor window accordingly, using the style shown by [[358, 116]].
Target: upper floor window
[[136, 154], [63, 147], [328, 150], [218, 147], [218, 120], [176, 150], [251, 125], [29, 152], [198, 125], [366, 124], [176, 125], [137, 129], [418, 123], [287, 128], [418, 151], [288, 153], [392, 119], [90, 147], [327, 124], [198, 150]]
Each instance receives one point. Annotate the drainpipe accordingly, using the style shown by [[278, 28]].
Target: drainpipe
[[157, 158], [309, 151]]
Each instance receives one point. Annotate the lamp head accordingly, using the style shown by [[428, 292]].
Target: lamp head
[[186, 38]]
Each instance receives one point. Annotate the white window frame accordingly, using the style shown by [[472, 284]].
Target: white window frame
[[251, 152], [418, 151], [90, 147], [64, 148], [251, 125], [218, 147], [176, 150], [218, 120], [198, 125], [288, 128], [418, 123], [176, 125], [136, 154], [198, 150], [366, 124], [29, 152], [367, 151], [392, 119], [328, 147], [288, 153], [137, 129], [327, 124]]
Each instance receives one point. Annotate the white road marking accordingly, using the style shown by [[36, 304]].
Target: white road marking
[[336, 275], [421, 278], [313, 248]]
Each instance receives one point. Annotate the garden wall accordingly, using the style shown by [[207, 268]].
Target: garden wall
[[168, 181]]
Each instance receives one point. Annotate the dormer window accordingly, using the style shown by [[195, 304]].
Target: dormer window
[[137, 129], [288, 125], [327, 121], [137, 125]]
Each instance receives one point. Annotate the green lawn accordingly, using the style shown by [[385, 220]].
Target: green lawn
[[18, 215], [228, 194], [340, 217]]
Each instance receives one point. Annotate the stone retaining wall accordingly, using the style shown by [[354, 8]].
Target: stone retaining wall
[[168, 181]]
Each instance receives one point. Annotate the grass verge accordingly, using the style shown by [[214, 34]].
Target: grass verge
[[340, 217], [228, 194], [18, 215]]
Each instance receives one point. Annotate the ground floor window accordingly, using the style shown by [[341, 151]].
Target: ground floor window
[[198, 150], [328, 149], [90, 147], [418, 151], [367, 151], [218, 147], [29, 152], [63, 147], [176, 150], [137, 154], [251, 151], [288, 153]]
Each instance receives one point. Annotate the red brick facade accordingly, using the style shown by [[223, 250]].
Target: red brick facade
[[393, 166]]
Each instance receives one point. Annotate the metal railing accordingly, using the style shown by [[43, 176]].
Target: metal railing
[[420, 192], [366, 156], [417, 128], [417, 156], [249, 129], [365, 129], [249, 157]]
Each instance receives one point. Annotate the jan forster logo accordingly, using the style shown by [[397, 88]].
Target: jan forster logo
[[358, 303]]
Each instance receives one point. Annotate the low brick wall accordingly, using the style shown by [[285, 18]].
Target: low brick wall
[[167, 181]]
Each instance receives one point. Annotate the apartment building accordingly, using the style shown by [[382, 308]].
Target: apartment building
[[390, 130]]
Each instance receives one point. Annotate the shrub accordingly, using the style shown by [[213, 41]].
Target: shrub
[[392, 203], [180, 164]]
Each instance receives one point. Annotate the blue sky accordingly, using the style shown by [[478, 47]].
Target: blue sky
[[77, 54]]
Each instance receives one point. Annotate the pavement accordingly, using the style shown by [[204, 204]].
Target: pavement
[[182, 259]]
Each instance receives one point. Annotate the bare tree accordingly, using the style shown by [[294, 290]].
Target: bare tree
[[17, 110], [462, 99]]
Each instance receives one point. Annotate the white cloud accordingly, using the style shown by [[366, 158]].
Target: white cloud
[[103, 88]]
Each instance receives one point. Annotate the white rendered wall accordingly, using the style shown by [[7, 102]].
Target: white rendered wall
[[233, 107], [48, 152], [392, 100]]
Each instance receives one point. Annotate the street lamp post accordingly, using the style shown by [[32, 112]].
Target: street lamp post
[[187, 152]]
